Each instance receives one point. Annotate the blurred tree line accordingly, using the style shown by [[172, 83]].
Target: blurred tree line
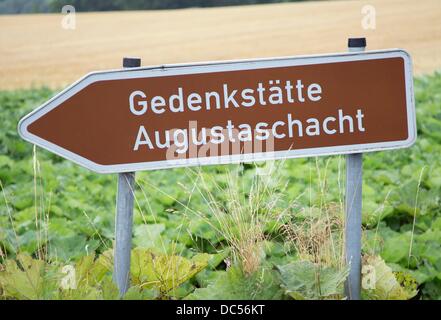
[[40, 6]]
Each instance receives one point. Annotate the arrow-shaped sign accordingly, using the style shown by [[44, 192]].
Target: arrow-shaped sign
[[224, 112]]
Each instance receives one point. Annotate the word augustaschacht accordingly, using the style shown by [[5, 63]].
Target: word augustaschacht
[[276, 93]]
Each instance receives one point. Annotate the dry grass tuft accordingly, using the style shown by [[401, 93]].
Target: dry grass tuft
[[241, 216], [319, 238]]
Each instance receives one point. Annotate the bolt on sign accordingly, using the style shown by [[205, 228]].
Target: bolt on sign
[[225, 112]]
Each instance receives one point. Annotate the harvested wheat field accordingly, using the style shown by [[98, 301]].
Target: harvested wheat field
[[35, 50]]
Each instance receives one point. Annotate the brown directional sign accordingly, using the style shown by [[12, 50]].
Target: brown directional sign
[[224, 112]]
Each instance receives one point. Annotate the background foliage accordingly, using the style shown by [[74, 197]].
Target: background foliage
[[59, 214]]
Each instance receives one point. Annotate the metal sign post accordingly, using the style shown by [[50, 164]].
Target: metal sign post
[[353, 203], [124, 217]]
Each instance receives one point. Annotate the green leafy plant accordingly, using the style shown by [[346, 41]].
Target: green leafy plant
[[234, 284], [248, 216], [26, 278], [152, 276], [304, 280], [163, 272]]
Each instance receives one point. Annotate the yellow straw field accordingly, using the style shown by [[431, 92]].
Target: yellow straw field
[[35, 50]]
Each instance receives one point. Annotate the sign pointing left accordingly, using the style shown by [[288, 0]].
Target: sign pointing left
[[225, 112]]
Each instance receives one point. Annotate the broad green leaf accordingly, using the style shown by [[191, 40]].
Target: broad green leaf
[[165, 272], [25, 281], [396, 247], [305, 280], [135, 293], [148, 236], [233, 284]]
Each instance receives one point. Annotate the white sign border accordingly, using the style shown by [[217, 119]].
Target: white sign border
[[221, 66]]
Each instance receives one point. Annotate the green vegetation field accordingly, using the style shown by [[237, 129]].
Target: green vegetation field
[[251, 231]]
